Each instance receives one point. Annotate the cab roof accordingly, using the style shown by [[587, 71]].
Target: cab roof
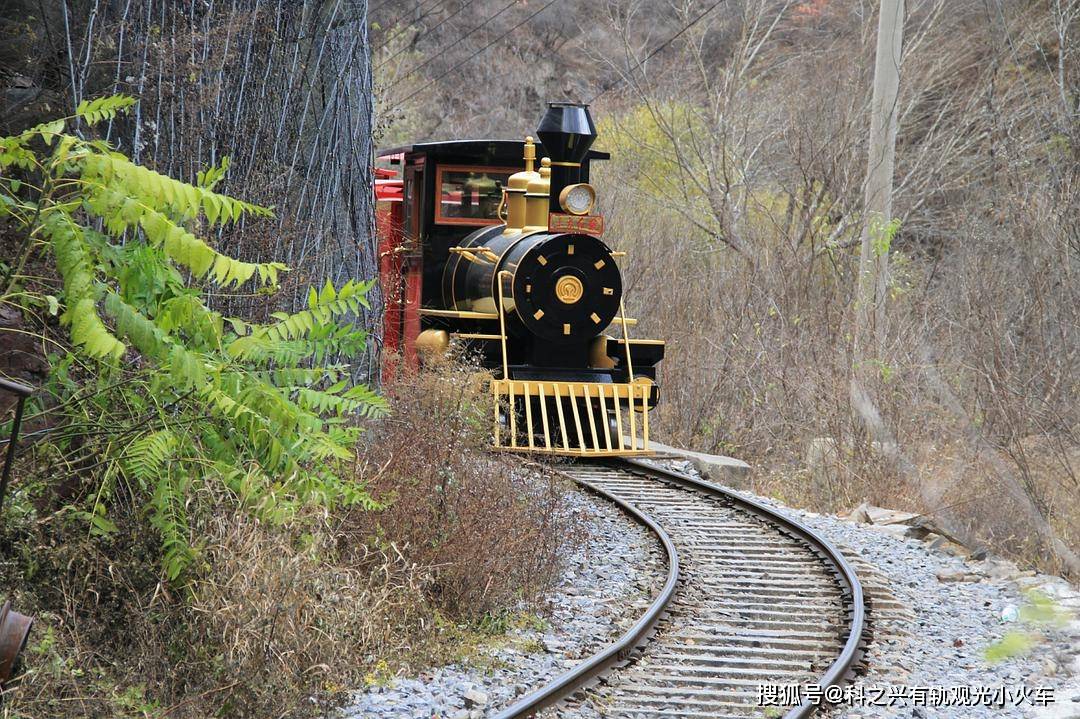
[[481, 150]]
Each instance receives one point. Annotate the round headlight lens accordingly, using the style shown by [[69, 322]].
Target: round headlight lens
[[578, 199]]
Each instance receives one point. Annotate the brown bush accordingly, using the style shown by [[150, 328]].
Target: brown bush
[[279, 615], [490, 530]]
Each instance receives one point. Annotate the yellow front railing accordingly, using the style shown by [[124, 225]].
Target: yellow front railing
[[571, 418], [588, 404]]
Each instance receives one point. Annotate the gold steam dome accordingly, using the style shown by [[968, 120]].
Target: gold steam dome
[[516, 187]]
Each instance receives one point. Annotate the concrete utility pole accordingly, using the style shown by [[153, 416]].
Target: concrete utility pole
[[874, 256]]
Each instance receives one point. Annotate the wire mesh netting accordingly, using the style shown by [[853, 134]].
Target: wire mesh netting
[[281, 87]]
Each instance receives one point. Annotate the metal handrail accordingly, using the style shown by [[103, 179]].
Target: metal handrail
[[502, 322], [22, 391], [626, 341], [14, 627]]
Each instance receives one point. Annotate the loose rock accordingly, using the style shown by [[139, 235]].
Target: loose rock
[[475, 697]]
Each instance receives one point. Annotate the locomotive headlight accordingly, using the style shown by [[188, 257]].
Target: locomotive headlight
[[578, 199]]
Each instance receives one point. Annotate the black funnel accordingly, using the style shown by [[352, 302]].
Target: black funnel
[[567, 132]]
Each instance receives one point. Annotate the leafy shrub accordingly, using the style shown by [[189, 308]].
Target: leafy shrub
[[162, 396], [285, 619]]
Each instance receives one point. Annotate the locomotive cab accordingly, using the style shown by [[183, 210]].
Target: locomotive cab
[[481, 244]]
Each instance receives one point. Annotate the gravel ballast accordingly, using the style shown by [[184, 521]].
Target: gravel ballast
[[954, 608], [948, 611]]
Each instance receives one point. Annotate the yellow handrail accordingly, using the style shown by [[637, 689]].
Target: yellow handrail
[[626, 341], [458, 314], [502, 325]]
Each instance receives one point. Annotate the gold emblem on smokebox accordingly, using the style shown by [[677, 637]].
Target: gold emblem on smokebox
[[569, 289]]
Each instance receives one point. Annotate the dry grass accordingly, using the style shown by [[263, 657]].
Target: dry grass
[[279, 619]]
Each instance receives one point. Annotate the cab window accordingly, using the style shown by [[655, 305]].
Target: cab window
[[469, 195]]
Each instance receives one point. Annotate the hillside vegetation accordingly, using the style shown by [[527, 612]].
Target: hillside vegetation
[[217, 510], [739, 153]]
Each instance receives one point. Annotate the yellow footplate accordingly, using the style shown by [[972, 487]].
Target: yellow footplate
[[578, 419]]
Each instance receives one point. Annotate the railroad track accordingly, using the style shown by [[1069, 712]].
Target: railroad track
[[752, 598]]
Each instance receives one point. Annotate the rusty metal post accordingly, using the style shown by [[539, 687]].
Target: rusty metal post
[[14, 631], [23, 392]]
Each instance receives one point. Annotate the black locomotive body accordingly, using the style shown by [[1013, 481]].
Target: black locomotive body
[[475, 249]]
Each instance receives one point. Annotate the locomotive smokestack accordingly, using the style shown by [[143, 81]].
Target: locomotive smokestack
[[567, 131]]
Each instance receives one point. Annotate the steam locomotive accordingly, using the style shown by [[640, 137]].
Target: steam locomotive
[[475, 249]]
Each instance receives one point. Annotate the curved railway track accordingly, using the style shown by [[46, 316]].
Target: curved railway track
[[752, 598]]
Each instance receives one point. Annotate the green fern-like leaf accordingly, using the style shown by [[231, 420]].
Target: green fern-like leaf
[[188, 250], [73, 261], [103, 108], [170, 519], [212, 175], [147, 337], [186, 313], [370, 403], [155, 190], [323, 308], [145, 458]]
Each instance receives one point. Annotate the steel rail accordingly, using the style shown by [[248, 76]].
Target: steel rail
[[573, 679], [841, 667], [836, 674]]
